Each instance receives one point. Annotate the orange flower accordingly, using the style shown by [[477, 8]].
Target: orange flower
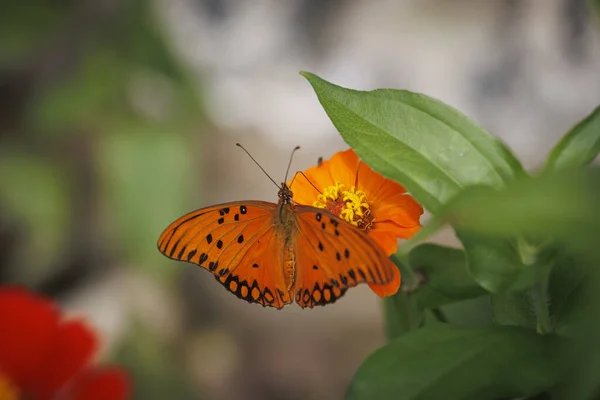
[[353, 191], [43, 356]]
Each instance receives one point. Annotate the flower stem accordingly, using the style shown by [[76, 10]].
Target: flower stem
[[539, 294], [530, 257]]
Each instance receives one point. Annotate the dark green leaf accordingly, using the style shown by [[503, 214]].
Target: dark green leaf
[[475, 312], [579, 146], [422, 143], [513, 308], [570, 288], [575, 306], [445, 362], [445, 276], [496, 263], [401, 312], [401, 315]]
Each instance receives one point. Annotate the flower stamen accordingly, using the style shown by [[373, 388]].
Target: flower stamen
[[349, 204]]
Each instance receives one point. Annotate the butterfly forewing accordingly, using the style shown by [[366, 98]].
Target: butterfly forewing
[[237, 243], [332, 256]]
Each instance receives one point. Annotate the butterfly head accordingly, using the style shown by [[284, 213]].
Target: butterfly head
[[285, 194]]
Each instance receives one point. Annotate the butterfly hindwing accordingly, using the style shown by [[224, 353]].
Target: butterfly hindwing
[[332, 256], [236, 242]]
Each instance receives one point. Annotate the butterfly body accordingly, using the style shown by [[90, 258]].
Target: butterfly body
[[273, 254], [287, 225]]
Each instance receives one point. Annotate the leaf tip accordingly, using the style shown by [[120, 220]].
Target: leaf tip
[[310, 77]]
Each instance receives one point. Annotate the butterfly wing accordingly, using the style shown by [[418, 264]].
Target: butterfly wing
[[239, 243], [333, 255]]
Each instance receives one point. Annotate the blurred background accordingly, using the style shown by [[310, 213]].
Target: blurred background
[[118, 116]]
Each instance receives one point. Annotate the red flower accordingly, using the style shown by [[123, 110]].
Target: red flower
[[45, 357]]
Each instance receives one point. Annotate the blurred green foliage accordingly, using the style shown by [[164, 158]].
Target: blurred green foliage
[[120, 91], [155, 373], [96, 155]]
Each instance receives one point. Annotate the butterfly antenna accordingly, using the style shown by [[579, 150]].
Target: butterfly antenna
[[256, 162], [305, 177], [290, 163]]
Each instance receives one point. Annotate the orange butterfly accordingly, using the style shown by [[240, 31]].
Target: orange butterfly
[[271, 253]]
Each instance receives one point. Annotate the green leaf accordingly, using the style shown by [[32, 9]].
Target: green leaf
[[418, 141], [579, 146], [497, 263], [514, 309], [575, 306], [556, 206], [571, 287], [400, 310], [445, 362], [529, 307], [475, 312], [445, 276], [401, 315]]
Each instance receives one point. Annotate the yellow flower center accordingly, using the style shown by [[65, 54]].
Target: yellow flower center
[[349, 204], [7, 390]]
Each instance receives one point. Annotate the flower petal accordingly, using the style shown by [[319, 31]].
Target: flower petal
[[73, 349], [101, 384], [304, 192], [341, 168], [29, 327], [388, 241], [372, 183]]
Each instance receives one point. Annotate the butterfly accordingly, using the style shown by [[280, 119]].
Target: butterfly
[[275, 253]]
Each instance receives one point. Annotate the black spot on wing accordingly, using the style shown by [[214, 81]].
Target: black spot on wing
[[362, 274], [203, 257], [174, 247], [352, 274], [181, 252]]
